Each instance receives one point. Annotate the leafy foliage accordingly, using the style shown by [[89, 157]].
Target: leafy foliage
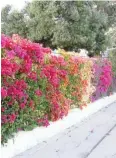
[[13, 21]]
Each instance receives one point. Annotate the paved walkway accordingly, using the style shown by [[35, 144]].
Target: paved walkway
[[94, 137]]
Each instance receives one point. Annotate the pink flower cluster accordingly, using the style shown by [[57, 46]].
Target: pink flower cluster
[[102, 77], [106, 77]]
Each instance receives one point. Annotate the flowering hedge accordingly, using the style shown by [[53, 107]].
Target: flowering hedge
[[38, 87], [102, 80]]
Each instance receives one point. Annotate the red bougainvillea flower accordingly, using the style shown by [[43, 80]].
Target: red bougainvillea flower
[[62, 73], [2, 109], [31, 104]]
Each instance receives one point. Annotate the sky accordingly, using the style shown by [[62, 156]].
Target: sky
[[17, 4]]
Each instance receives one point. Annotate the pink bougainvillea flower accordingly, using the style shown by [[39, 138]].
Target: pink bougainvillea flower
[[20, 84], [22, 105], [43, 121], [55, 82], [4, 119], [11, 54], [3, 92], [8, 68], [12, 117], [46, 123], [21, 53], [6, 42], [38, 92], [33, 76]]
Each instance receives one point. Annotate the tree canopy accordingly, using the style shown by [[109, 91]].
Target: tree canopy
[[66, 24]]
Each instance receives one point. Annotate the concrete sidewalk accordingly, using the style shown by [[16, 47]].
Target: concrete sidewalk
[[94, 137]]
